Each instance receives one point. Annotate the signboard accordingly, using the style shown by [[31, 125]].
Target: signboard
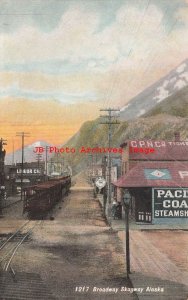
[[157, 144], [157, 174], [170, 202], [100, 182], [33, 171]]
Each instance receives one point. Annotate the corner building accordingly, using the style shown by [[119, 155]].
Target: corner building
[[156, 174]]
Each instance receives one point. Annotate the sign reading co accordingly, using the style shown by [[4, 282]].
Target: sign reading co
[[28, 171]]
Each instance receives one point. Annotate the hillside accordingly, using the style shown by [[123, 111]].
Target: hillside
[[160, 122], [159, 126], [156, 112], [157, 93], [92, 134], [175, 105]]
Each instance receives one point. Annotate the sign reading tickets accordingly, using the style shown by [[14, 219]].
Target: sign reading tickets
[[170, 202]]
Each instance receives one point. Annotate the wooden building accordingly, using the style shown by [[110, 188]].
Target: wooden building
[[32, 174], [156, 175]]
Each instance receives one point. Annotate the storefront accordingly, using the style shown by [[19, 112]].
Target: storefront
[[159, 190], [32, 174]]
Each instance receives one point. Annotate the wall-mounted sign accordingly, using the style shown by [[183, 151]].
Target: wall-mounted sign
[[33, 171], [170, 202], [157, 174], [157, 144]]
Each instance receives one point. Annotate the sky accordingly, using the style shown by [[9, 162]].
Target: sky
[[63, 60]]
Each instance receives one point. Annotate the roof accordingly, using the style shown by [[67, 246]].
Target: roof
[[156, 174], [163, 150], [48, 184]]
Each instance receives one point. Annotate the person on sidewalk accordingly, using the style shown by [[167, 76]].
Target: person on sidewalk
[[114, 208]]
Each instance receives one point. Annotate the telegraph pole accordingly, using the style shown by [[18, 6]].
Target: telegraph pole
[[38, 159], [2, 174], [91, 166], [46, 161], [22, 135], [110, 119], [13, 152]]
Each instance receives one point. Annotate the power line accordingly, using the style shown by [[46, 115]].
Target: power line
[[111, 119], [22, 135]]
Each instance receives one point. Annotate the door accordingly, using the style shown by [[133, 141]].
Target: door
[[143, 206]]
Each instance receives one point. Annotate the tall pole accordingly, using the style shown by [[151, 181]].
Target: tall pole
[[96, 157], [22, 165], [126, 202], [23, 135], [13, 152], [111, 119], [93, 173], [109, 160], [46, 160], [89, 167], [38, 159], [127, 241], [2, 175]]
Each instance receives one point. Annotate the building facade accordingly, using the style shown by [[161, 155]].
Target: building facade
[[32, 173], [156, 174]]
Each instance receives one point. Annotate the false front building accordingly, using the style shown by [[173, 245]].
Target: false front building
[[156, 175]]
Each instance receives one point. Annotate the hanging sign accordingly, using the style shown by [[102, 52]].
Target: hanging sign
[[100, 182]]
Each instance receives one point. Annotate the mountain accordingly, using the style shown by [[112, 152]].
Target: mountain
[[170, 84], [164, 110], [92, 133], [168, 116], [29, 154], [175, 105]]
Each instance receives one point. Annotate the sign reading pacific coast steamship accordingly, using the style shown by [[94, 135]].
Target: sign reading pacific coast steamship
[[170, 202]]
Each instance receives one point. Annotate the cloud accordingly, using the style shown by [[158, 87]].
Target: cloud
[[16, 92], [134, 48], [78, 37], [84, 59]]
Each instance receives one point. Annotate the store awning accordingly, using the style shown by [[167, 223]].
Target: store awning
[[155, 174]]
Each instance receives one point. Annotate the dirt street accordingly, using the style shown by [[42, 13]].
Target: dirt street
[[77, 253], [77, 256], [159, 253]]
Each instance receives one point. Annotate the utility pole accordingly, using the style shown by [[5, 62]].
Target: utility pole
[[38, 159], [2, 174], [46, 161], [96, 156], [22, 135], [91, 167], [13, 152], [110, 119]]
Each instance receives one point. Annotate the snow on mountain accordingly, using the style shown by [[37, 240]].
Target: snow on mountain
[[126, 106], [156, 93], [29, 155], [181, 68]]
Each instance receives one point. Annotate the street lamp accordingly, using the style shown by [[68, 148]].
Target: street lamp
[[126, 204]]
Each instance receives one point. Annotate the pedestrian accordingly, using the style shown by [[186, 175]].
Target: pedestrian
[[114, 207]]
